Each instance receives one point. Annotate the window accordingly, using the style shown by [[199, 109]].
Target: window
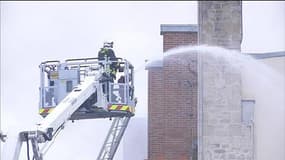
[[69, 86], [247, 111], [51, 83]]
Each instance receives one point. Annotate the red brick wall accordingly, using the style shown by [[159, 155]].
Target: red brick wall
[[174, 39], [172, 102], [180, 103], [156, 119]]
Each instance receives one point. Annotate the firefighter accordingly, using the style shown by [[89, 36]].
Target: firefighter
[[107, 52]]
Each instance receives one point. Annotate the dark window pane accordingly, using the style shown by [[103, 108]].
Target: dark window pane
[[69, 86]]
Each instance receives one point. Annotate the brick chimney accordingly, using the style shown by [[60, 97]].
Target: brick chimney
[[172, 99], [176, 35]]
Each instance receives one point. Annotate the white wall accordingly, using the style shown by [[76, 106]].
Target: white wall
[[268, 91]]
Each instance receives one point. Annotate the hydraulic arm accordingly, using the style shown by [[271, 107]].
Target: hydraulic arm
[[56, 119], [81, 89]]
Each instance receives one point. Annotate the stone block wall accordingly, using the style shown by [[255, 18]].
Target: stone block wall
[[220, 23], [221, 134]]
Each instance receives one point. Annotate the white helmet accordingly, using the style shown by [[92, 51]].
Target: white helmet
[[108, 44]]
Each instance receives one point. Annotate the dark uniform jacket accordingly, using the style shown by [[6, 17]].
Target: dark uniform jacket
[[109, 53]]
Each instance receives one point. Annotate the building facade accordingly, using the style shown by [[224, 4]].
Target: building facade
[[221, 133], [201, 107], [172, 98]]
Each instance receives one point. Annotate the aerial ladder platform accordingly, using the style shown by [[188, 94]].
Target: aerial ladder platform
[[81, 89], [113, 138]]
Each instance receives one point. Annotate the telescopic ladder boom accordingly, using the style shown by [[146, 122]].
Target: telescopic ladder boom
[[54, 121], [113, 138], [81, 89]]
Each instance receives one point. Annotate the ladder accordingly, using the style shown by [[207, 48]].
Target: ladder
[[113, 138]]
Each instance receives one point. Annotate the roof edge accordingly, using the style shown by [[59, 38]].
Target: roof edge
[[178, 28], [267, 55]]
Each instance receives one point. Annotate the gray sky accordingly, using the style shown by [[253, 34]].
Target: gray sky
[[32, 32]]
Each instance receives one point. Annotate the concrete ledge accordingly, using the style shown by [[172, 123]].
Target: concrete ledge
[[267, 55], [178, 28], [154, 64]]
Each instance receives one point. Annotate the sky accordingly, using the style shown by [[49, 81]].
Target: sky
[[32, 32]]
